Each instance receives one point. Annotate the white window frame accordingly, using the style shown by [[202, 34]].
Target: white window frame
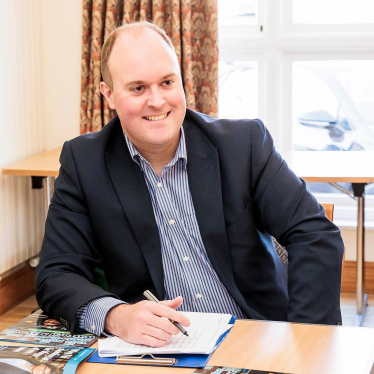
[[318, 29], [275, 48]]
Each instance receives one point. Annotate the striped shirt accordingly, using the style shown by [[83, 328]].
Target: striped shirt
[[187, 268]]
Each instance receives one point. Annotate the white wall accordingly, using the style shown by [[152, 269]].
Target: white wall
[[40, 46]]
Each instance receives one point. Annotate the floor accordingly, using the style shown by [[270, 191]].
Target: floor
[[348, 307]]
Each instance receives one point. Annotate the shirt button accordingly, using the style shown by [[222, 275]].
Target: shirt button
[[185, 259], [93, 327], [159, 184], [171, 222], [199, 296]]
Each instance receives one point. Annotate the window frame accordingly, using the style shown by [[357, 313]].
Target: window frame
[[275, 48]]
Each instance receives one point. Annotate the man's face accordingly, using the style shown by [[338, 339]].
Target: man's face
[[147, 91]]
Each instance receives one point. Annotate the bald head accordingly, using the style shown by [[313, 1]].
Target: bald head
[[135, 29]]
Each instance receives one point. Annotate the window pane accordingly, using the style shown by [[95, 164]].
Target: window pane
[[237, 12], [238, 89], [333, 105], [333, 108], [332, 11]]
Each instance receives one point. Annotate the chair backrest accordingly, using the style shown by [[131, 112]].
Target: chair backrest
[[329, 210]]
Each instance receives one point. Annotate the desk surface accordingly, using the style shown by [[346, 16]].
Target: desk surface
[[279, 346], [42, 165], [353, 167]]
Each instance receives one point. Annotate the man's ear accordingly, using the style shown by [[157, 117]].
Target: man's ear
[[107, 92]]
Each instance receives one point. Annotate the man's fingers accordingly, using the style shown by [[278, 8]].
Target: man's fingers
[[162, 324], [174, 304], [152, 341], [157, 333], [140, 323], [172, 314]]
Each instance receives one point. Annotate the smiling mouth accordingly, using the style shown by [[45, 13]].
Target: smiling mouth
[[156, 118]]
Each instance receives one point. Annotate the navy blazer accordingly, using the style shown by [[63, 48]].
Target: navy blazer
[[243, 193]]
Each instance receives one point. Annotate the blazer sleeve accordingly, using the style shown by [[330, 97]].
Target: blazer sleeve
[[293, 216], [65, 274]]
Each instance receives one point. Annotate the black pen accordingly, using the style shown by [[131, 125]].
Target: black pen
[[149, 295]]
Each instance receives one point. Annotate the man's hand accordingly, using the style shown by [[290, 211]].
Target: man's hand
[[141, 323]]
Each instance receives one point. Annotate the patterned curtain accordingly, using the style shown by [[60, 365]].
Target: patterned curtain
[[192, 27]]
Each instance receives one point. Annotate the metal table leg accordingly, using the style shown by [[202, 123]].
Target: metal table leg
[[48, 185], [361, 297], [49, 189]]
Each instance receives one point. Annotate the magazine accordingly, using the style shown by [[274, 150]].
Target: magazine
[[228, 370], [47, 360], [38, 328]]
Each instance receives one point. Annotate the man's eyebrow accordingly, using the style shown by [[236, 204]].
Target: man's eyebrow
[[168, 76], [142, 82]]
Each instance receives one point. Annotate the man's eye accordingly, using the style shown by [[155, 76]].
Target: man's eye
[[168, 82], [138, 89]]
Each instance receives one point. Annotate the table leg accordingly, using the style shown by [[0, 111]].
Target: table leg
[[49, 189], [361, 297], [48, 184]]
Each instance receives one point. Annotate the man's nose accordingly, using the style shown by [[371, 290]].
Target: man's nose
[[156, 98]]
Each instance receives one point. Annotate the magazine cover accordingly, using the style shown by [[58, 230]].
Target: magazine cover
[[37, 360], [227, 370], [38, 328]]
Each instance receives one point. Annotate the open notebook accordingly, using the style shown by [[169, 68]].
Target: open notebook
[[204, 332]]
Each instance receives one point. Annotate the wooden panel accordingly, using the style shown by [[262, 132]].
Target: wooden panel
[[329, 210], [349, 277], [16, 288]]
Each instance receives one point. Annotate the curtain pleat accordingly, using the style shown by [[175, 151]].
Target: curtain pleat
[[192, 27]]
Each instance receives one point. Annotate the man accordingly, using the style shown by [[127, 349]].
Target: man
[[181, 204]]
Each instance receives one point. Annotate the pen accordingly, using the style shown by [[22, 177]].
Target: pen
[[149, 295]]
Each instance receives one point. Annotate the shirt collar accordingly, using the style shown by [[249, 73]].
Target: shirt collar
[[181, 152]]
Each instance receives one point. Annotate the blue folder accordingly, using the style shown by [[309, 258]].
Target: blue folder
[[183, 360]]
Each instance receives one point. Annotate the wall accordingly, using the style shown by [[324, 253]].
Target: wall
[[62, 38], [40, 43]]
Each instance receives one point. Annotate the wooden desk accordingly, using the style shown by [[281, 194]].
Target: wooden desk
[[279, 346], [356, 168], [44, 165]]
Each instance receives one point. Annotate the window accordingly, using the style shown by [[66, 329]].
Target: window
[[306, 68], [332, 12], [332, 105], [238, 89]]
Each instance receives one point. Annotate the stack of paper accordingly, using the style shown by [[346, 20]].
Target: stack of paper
[[205, 330]]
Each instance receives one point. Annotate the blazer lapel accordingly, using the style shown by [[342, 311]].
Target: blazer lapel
[[205, 185], [134, 196]]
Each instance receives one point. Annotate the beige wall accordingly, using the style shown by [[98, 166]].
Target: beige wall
[[39, 103], [61, 44]]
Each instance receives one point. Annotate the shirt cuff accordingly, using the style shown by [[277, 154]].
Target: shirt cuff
[[91, 316]]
